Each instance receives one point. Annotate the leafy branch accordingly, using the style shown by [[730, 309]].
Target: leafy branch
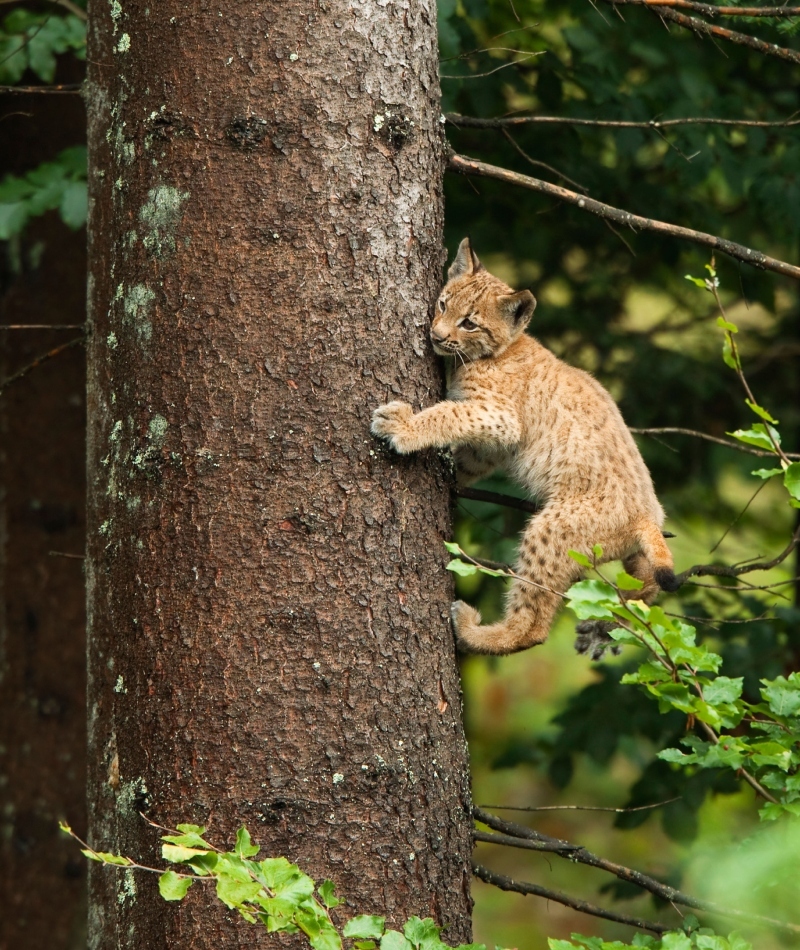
[[272, 892]]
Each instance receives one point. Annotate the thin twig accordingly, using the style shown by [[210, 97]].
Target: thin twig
[[709, 9], [38, 362], [722, 570], [523, 887], [715, 32], [42, 326], [511, 833], [72, 87], [739, 517], [470, 166], [544, 165], [473, 122], [620, 811], [491, 72], [672, 430]]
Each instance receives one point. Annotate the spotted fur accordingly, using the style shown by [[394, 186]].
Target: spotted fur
[[511, 404]]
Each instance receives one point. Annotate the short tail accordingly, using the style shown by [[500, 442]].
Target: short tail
[[659, 555]]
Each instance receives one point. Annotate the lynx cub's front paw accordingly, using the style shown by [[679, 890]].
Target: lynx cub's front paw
[[390, 422]]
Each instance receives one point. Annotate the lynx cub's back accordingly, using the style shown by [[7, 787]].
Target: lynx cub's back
[[511, 404]]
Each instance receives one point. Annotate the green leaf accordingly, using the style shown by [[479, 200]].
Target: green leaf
[[107, 857], [327, 895], [13, 217], [392, 940], [326, 939], [729, 358], [676, 941], [74, 205], [626, 582], [723, 689], [461, 568], [590, 600], [365, 926], [760, 411], [791, 479], [783, 695], [582, 559], [767, 472], [597, 550], [177, 853], [727, 325], [233, 892], [244, 847], [423, 933], [758, 435], [191, 830], [173, 887], [452, 547], [697, 281]]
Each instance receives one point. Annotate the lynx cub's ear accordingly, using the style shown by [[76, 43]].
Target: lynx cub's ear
[[466, 261], [518, 307]]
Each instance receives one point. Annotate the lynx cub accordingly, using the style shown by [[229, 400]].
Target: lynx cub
[[512, 404]]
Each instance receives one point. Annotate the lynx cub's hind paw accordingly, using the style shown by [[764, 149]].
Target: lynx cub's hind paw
[[389, 422], [465, 619], [592, 637]]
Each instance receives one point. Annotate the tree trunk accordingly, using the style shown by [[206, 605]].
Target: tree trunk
[[268, 609]]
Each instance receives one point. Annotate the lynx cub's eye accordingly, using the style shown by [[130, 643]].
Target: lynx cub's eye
[[442, 305], [467, 324]]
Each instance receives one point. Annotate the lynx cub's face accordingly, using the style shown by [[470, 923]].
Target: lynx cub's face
[[477, 315]]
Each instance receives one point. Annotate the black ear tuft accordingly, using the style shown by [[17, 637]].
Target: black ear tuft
[[465, 262]]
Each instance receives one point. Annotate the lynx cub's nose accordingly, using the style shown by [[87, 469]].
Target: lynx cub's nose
[[437, 337]]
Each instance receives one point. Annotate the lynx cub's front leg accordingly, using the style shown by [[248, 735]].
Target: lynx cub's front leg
[[448, 423]]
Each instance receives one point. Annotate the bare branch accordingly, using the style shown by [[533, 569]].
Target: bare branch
[[38, 361], [709, 9], [721, 570], [523, 887], [716, 32], [618, 811], [473, 122], [470, 166], [520, 836], [495, 498], [740, 447], [71, 87]]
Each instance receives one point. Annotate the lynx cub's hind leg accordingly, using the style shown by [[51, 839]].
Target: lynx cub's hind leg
[[530, 607]]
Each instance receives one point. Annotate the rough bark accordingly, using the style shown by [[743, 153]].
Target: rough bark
[[42, 647], [269, 634]]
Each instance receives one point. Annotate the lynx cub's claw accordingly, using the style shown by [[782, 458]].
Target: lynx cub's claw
[[465, 619], [390, 422], [592, 637]]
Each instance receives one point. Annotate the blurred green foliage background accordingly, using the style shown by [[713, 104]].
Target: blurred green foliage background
[[548, 727]]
